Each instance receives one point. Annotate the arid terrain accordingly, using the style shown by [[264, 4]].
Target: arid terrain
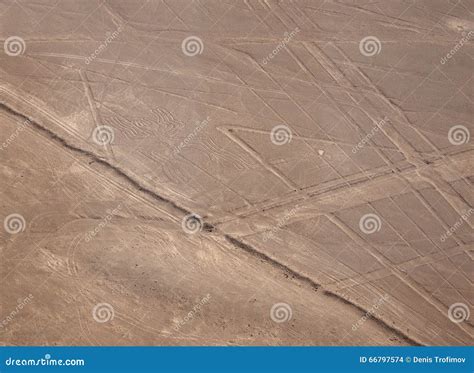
[[252, 172]]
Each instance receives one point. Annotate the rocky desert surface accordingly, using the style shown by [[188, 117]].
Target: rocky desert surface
[[252, 172]]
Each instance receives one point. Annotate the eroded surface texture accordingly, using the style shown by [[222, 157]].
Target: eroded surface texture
[[243, 172]]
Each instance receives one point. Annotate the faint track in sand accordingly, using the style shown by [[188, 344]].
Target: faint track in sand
[[171, 207]]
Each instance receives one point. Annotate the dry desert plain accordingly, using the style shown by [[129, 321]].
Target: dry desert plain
[[254, 172]]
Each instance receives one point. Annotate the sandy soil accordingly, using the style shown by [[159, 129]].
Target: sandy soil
[[254, 172]]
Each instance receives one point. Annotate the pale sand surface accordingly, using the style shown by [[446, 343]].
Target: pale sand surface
[[323, 146]]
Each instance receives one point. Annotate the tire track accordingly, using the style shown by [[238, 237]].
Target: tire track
[[209, 228]]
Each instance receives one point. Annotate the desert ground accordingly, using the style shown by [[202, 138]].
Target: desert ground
[[252, 172]]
